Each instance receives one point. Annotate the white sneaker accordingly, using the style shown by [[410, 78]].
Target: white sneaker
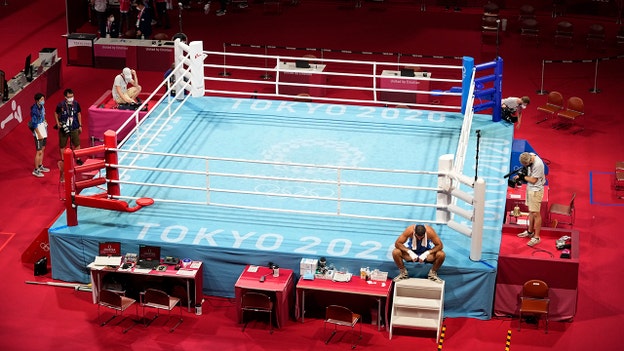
[[221, 13], [37, 173], [433, 276], [43, 169], [243, 5], [534, 241], [402, 275], [525, 234]]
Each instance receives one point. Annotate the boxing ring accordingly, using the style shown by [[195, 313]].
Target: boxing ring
[[240, 180]]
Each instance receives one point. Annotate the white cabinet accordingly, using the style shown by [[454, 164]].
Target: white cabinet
[[417, 304]]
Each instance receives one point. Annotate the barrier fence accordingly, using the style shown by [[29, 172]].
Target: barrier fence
[[596, 62]]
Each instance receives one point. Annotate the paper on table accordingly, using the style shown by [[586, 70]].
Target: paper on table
[[142, 270], [186, 272], [252, 269], [515, 196], [195, 264]]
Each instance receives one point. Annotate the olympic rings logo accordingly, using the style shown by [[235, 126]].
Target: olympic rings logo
[[295, 190], [344, 154]]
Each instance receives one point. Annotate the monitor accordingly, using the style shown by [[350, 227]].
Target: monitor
[[4, 87], [110, 248], [27, 68], [302, 64], [149, 253], [407, 72]]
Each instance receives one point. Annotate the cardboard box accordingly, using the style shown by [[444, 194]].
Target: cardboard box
[[308, 265]]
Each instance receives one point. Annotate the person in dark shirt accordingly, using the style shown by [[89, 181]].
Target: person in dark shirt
[[68, 122], [144, 21], [112, 27], [39, 128]]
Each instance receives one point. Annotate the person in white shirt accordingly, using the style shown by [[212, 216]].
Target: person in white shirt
[[121, 93], [535, 180], [512, 107]]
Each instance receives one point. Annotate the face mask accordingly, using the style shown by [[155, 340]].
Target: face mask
[[111, 19], [42, 102], [70, 100]]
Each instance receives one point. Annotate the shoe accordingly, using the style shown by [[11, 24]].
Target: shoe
[[402, 275], [43, 169], [534, 241], [243, 5], [525, 234], [79, 162], [37, 173], [221, 13], [433, 276]]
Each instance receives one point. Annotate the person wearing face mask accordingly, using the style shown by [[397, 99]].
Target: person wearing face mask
[[39, 128], [68, 122], [511, 109], [121, 93], [112, 28]]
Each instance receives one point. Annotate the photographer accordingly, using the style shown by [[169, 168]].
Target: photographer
[[511, 109], [68, 122], [535, 179]]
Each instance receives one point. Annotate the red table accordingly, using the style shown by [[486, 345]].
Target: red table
[[519, 262], [394, 81], [188, 275], [282, 286], [517, 196], [355, 286]]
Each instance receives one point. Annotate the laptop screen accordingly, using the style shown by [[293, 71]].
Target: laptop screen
[[407, 72], [147, 252], [302, 64], [110, 248]]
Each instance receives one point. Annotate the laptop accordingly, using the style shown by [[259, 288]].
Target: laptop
[[109, 254], [149, 257], [302, 64]]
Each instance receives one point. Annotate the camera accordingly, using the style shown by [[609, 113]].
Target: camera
[[507, 115], [513, 182], [65, 128]]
